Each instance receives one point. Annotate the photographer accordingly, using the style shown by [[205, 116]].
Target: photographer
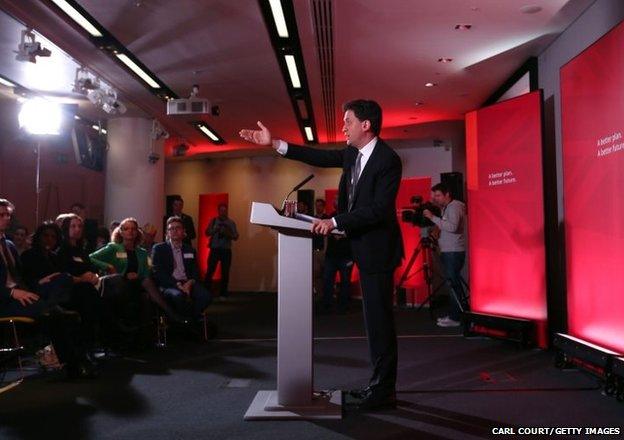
[[452, 242], [222, 231]]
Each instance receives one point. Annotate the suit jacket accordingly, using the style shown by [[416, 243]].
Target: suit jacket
[[162, 260], [5, 293], [371, 224]]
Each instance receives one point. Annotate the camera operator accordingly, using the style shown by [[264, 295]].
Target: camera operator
[[452, 242]]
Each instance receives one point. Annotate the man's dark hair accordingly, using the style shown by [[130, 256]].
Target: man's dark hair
[[222, 204], [77, 205], [443, 188], [320, 200], [10, 206], [177, 198], [366, 110], [174, 219]]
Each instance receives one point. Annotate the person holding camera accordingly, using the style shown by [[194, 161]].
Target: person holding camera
[[222, 231], [452, 243]]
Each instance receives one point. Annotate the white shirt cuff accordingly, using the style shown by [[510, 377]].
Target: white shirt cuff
[[280, 146], [334, 222]]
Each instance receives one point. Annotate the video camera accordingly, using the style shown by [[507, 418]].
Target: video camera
[[413, 214]]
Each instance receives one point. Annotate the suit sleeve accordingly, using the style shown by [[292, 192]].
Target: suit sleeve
[[316, 156], [383, 205], [162, 276]]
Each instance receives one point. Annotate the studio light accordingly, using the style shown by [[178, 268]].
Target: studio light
[[39, 116], [292, 71], [278, 17], [80, 19], [84, 81], [28, 49]]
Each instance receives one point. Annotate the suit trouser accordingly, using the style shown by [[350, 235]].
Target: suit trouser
[[380, 329]]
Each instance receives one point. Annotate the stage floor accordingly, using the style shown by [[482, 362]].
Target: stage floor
[[449, 387]]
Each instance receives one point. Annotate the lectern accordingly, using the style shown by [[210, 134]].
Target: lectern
[[295, 397]]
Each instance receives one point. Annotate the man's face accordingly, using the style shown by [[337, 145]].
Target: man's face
[[177, 206], [75, 229], [175, 231], [5, 218], [439, 198], [223, 211], [354, 129]]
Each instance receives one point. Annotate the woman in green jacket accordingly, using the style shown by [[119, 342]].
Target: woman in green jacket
[[128, 281]]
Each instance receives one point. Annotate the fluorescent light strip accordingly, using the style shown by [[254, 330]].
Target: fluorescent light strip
[[292, 71], [278, 17], [309, 134], [136, 69], [208, 133], [6, 82], [77, 17]]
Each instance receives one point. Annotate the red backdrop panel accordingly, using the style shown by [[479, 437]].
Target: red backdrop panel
[[506, 210], [592, 104], [208, 209]]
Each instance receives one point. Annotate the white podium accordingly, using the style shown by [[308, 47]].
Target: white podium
[[295, 397]]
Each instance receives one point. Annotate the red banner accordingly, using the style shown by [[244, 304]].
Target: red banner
[[506, 210], [592, 105]]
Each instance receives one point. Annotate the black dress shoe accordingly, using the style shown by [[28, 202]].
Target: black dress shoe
[[377, 400]]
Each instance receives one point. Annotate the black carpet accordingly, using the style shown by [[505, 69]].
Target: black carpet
[[449, 387]]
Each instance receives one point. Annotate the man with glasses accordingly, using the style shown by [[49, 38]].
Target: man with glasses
[[176, 273]]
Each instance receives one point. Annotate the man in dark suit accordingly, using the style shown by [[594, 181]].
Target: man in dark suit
[[175, 272], [371, 174]]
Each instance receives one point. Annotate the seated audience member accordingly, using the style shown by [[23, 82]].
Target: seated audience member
[[16, 299], [128, 289], [40, 265], [175, 272], [149, 236], [74, 260], [102, 238], [21, 239], [90, 225]]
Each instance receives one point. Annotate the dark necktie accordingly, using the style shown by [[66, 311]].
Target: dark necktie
[[355, 176], [8, 257]]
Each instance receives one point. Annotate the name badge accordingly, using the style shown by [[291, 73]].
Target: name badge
[[121, 255], [78, 259], [189, 256]]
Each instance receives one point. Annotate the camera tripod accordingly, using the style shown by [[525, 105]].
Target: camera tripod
[[426, 246]]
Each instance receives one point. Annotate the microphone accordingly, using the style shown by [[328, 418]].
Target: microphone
[[299, 185]]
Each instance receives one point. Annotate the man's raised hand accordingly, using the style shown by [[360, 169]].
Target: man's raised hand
[[259, 137]]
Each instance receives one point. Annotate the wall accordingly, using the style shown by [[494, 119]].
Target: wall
[[63, 182], [269, 178]]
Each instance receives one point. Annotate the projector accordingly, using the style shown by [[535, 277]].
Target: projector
[[189, 106], [193, 105]]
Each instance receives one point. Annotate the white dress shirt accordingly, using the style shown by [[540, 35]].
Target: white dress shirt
[[366, 151]]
